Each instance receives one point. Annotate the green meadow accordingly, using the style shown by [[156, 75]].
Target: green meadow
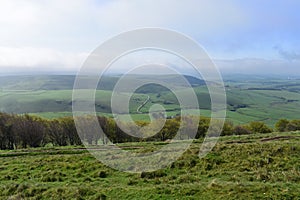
[[255, 166], [253, 99], [261, 166]]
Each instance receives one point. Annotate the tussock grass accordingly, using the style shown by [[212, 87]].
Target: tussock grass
[[239, 167]]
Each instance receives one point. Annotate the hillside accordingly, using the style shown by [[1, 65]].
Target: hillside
[[254, 99], [66, 82], [261, 166]]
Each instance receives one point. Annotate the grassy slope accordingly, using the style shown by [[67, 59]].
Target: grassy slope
[[239, 167]]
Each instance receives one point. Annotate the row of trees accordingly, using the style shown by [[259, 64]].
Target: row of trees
[[22, 131]]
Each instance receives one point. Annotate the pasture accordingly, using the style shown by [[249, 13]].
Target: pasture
[[266, 99], [261, 166]]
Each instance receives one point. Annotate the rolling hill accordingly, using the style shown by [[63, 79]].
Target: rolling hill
[[257, 99]]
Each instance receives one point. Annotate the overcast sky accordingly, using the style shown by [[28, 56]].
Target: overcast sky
[[254, 36]]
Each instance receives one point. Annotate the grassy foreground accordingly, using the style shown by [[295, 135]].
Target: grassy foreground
[[262, 166]]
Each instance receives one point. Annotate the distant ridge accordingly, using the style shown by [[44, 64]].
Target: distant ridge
[[65, 82]]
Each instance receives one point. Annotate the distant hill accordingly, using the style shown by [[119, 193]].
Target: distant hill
[[248, 99], [65, 82], [38, 82]]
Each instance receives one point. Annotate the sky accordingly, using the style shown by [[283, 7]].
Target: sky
[[251, 37]]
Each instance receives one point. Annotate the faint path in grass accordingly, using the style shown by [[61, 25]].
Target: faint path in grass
[[73, 150], [279, 138]]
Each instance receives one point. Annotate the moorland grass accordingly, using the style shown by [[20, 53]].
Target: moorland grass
[[238, 167]]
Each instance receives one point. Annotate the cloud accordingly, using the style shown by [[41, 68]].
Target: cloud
[[52, 35], [190, 15], [50, 23], [258, 66], [57, 34], [288, 55], [39, 59]]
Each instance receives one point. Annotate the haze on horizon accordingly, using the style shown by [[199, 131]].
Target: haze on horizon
[[247, 37]]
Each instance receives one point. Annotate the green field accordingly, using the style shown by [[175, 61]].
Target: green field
[[261, 166], [264, 99], [256, 166]]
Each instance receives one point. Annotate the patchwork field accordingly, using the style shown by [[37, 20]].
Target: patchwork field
[[249, 98]]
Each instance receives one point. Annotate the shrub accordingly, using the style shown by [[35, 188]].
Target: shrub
[[227, 128], [293, 125], [241, 130], [281, 125], [202, 127], [259, 127]]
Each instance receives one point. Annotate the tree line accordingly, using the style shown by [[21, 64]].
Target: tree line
[[22, 131]]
